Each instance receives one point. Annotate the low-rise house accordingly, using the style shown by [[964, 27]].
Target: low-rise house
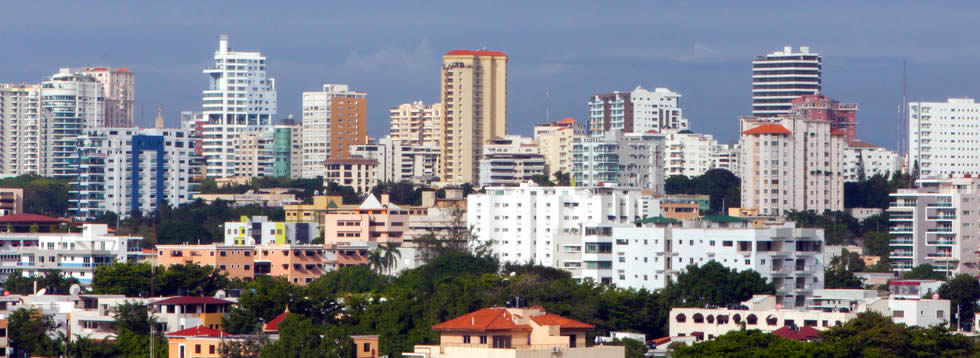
[[182, 312]]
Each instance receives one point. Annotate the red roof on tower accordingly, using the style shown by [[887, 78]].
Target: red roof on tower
[[768, 128], [475, 53]]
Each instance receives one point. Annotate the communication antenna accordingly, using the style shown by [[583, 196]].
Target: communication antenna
[[547, 105]]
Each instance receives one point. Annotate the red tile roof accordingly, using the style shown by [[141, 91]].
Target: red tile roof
[[768, 128], [567, 120], [487, 319], [192, 300], [475, 53], [31, 218], [549, 319], [837, 132], [199, 331], [273, 325], [123, 70], [803, 334], [861, 144]]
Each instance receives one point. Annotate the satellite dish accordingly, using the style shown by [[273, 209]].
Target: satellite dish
[[75, 289], [220, 294], [41, 292]]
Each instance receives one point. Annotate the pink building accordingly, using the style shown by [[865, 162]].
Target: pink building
[[820, 107], [118, 88]]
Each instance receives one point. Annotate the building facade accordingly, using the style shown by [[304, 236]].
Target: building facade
[[123, 170], [943, 138], [652, 254], [417, 124], [357, 172], [240, 97], [782, 76], [334, 119], [22, 130], [689, 154], [11, 201], [73, 254], [71, 102], [817, 107], [555, 142], [400, 161], [258, 230], [474, 100], [638, 111], [627, 160], [791, 164], [864, 160], [510, 160], [936, 224], [568, 228], [119, 93], [288, 151]]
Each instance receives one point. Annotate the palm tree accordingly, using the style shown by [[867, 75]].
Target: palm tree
[[391, 255], [376, 260]]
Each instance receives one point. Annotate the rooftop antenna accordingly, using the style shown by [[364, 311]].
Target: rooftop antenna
[[547, 105]]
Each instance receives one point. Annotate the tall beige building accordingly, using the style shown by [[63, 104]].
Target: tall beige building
[[555, 144], [118, 88], [791, 164], [474, 99], [417, 124]]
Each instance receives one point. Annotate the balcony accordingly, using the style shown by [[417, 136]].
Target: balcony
[[939, 229], [900, 254], [941, 242], [939, 254], [901, 242], [942, 217], [940, 205]]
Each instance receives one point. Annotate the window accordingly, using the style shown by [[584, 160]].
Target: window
[[939, 314], [197, 348], [367, 347], [483, 339], [211, 349], [898, 314], [466, 339]]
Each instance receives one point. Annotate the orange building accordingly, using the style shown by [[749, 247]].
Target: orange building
[[680, 211], [373, 221], [297, 263], [182, 312], [195, 342]]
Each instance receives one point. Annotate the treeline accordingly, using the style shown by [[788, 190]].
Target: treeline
[[42, 195], [873, 192], [868, 335], [721, 185]]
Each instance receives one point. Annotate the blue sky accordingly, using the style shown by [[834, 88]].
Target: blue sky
[[392, 49]]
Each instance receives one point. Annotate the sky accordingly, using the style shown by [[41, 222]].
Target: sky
[[572, 49]]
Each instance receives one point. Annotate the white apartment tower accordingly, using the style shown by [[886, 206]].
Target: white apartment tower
[[123, 170], [70, 103], [510, 160], [689, 154], [398, 161], [863, 158], [638, 111], [119, 91], [936, 224], [791, 164], [633, 160], [417, 124], [944, 138], [21, 130], [334, 118], [569, 228], [240, 97], [782, 76], [555, 141]]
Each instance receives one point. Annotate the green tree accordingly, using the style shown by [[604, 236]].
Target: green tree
[[376, 260], [52, 281], [923, 272], [299, 337], [390, 255], [563, 179], [962, 291], [721, 185], [840, 278], [876, 243], [265, 298], [458, 238], [713, 283], [872, 335], [42, 195], [249, 346], [848, 261], [634, 348], [84, 347], [28, 333], [132, 316], [128, 279], [751, 343], [542, 180]]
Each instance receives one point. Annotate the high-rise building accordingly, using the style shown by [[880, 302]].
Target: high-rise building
[[782, 76], [356, 172], [689, 154], [474, 100], [943, 138], [288, 151], [124, 170], [936, 224], [22, 133], [634, 160], [240, 97], [255, 154], [821, 108], [119, 91], [791, 164], [70, 103], [724, 156], [555, 142], [863, 159], [398, 161], [568, 228], [417, 124], [193, 123], [638, 111], [510, 160], [334, 119]]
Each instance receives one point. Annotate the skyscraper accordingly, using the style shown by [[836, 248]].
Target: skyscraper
[[842, 116], [474, 100], [21, 145], [417, 124], [70, 102], [638, 111], [333, 120], [240, 97], [118, 89], [782, 76]]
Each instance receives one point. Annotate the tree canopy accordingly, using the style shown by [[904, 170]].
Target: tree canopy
[[42, 195], [721, 185], [138, 280]]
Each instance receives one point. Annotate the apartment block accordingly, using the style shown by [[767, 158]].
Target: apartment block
[[240, 98], [943, 138], [11, 201], [656, 250], [334, 119], [638, 111], [298, 263], [401, 161], [373, 221], [357, 172], [288, 151], [417, 124], [255, 154], [782, 76], [119, 93], [817, 107], [936, 224], [724, 156], [474, 99], [71, 102], [123, 170], [22, 126], [689, 154], [791, 164], [73, 254], [634, 160], [865, 160], [510, 160], [555, 141], [258, 230], [569, 228]]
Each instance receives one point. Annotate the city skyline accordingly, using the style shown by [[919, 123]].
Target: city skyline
[[709, 65]]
